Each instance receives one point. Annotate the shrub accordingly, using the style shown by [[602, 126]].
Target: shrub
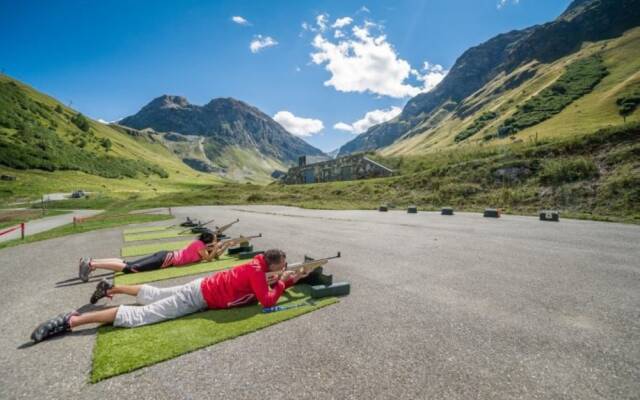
[[558, 172], [106, 144], [627, 104], [476, 126], [81, 122]]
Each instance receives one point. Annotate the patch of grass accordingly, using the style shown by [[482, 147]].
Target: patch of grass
[[224, 262], [143, 249], [557, 172], [120, 350], [108, 220], [40, 148], [163, 234], [14, 217]]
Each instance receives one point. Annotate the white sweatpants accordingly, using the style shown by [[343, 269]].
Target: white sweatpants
[[160, 304]]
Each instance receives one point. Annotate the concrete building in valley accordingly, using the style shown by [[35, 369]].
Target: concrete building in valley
[[347, 168]]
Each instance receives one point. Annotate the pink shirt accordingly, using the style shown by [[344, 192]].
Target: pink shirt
[[189, 254]]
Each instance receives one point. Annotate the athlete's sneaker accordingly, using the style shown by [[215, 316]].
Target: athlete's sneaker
[[101, 291], [52, 327], [84, 269]]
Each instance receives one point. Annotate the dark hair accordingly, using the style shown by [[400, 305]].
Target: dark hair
[[274, 256], [206, 237]]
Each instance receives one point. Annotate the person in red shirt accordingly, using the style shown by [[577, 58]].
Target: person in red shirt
[[240, 285], [196, 251]]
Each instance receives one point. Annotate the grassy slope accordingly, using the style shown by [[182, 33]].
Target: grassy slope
[[589, 113], [33, 183]]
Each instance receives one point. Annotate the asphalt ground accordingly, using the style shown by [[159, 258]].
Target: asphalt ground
[[442, 307]]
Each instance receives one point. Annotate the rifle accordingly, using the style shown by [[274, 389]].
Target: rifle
[[239, 239], [305, 267], [200, 225], [220, 229]]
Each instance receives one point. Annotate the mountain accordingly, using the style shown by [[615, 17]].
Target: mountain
[[229, 133], [49, 147], [505, 62]]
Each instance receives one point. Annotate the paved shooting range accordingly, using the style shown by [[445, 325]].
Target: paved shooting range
[[431, 299]]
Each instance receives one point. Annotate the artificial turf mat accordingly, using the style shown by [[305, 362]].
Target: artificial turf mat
[[163, 234], [143, 249], [223, 262], [121, 350], [145, 229]]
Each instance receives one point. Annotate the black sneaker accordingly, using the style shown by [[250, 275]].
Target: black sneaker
[[54, 326], [101, 291], [84, 269]]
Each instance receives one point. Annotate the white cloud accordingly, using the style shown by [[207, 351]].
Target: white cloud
[[364, 9], [299, 126], [342, 22], [321, 21], [370, 119], [103, 121], [503, 3], [240, 20], [431, 75], [259, 42], [363, 63]]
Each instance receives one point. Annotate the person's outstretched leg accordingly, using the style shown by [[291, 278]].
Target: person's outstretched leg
[[187, 299], [64, 322], [105, 288], [112, 264], [94, 317], [145, 294]]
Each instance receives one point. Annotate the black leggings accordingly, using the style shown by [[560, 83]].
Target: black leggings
[[147, 263]]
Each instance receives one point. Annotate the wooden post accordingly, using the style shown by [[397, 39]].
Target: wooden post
[[74, 221], [170, 212], [22, 230]]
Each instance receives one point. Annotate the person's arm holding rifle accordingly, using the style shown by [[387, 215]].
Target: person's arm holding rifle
[[218, 248], [294, 272]]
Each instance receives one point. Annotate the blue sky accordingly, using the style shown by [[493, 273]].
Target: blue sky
[[109, 58]]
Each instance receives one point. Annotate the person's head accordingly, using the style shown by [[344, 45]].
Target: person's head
[[276, 259], [207, 237]]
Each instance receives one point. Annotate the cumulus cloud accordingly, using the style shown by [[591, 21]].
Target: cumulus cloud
[[503, 3], [342, 22], [361, 61], [103, 121], [299, 126], [260, 42], [370, 119], [240, 20]]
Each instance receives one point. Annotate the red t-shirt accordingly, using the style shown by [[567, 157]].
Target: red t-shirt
[[242, 285], [189, 254]]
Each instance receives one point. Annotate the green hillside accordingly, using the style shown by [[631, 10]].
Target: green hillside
[[52, 148], [574, 95]]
